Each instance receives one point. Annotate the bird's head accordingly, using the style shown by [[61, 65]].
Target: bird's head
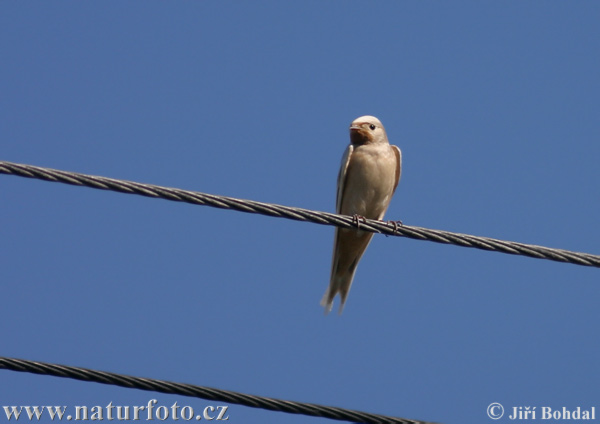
[[367, 130]]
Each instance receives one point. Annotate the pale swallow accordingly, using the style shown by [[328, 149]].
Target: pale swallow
[[368, 177]]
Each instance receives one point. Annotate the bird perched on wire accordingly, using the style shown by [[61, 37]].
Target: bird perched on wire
[[368, 177]]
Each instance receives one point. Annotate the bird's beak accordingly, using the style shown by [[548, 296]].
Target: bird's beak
[[358, 135]]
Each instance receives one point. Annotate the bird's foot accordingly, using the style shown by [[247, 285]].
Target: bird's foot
[[357, 218], [396, 225]]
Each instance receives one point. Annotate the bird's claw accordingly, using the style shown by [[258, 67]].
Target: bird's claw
[[396, 224], [357, 218]]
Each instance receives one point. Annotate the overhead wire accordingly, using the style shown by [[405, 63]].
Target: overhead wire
[[300, 214], [190, 390]]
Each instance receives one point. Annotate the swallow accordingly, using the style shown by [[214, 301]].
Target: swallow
[[367, 180]]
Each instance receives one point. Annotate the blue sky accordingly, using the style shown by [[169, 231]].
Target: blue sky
[[495, 106]]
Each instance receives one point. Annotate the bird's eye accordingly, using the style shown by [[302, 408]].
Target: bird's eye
[[372, 126]]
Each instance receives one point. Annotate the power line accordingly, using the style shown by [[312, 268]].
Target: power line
[[299, 214], [190, 390]]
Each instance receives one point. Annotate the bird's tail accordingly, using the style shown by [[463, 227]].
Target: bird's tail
[[338, 284]]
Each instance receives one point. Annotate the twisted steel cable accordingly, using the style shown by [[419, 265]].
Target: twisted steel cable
[[299, 214], [190, 390]]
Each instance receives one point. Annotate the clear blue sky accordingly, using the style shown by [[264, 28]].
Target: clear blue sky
[[495, 106]]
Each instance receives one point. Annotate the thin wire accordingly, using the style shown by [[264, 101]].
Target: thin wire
[[149, 384], [299, 214]]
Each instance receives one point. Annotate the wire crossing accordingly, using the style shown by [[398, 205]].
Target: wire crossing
[[299, 214], [190, 390]]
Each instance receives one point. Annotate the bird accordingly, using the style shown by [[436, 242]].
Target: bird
[[368, 177]]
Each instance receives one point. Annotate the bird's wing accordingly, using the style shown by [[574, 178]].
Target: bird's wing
[[398, 154], [341, 182]]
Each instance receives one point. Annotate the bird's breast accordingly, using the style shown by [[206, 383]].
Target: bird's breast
[[370, 179]]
